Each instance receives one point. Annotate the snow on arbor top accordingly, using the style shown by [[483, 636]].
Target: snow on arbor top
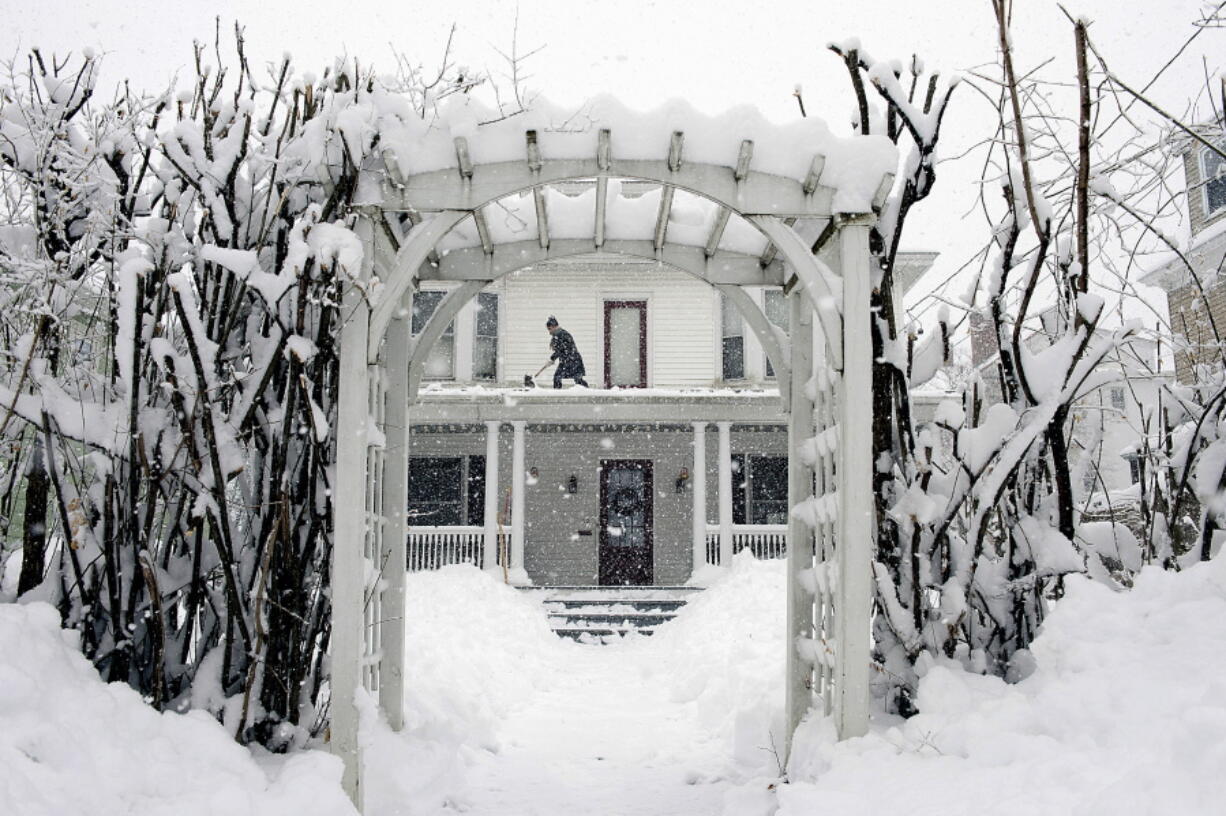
[[853, 166]]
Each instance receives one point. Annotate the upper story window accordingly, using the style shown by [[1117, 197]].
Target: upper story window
[[468, 348], [440, 364], [485, 338], [1213, 173], [775, 304], [733, 347], [1117, 398]]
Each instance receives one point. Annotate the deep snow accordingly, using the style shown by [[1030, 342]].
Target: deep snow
[[70, 744], [1124, 713]]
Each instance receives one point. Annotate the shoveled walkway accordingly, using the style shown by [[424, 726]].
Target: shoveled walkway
[[601, 738]]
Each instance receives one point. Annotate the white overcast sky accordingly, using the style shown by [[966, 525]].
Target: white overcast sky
[[714, 53]]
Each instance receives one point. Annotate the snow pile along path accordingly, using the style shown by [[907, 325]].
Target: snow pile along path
[[70, 744], [1124, 714], [507, 719]]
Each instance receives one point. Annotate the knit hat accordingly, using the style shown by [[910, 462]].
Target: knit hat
[[551, 322]]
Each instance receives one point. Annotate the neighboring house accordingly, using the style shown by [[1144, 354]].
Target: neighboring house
[[1107, 422], [1196, 328], [681, 396]]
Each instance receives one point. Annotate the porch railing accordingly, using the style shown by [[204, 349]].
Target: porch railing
[[763, 540], [432, 547]]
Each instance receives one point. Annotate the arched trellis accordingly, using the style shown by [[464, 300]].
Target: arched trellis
[[826, 363]]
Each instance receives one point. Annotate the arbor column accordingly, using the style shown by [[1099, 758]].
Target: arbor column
[[800, 555], [700, 495], [517, 498], [348, 579], [395, 506], [854, 547], [489, 557], [725, 493]]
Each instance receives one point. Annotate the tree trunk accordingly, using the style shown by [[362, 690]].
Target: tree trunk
[[34, 521]]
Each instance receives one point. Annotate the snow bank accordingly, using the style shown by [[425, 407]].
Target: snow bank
[[475, 647], [724, 654], [70, 744], [1124, 713]]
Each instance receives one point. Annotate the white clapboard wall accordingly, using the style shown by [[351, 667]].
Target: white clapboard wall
[[683, 322]]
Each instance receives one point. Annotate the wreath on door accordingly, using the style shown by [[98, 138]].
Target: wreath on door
[[627, 501]]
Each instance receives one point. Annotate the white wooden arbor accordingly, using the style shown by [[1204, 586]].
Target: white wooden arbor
[[823, 367]]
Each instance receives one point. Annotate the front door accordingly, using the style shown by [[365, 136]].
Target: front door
[[625, 522]]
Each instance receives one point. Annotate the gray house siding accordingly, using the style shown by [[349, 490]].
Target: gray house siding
[[556, 550]]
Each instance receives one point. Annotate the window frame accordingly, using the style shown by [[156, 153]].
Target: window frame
[[726, 304], [1207, 179], [477, 336], [640, 305], [448, 334]]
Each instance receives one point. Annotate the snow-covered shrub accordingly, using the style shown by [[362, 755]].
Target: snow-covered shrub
[[170, 268]]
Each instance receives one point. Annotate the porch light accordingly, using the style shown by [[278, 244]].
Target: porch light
[[572, 484], [683, 479]]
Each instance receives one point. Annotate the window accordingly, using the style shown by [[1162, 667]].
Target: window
[[775, 304], [436, 491], [1117, 397], [740, 481], [768, 486], [440, 364], [485, 342], [1213, 173], [733, 341], [446, 490], [625, 343], [1134, 467]]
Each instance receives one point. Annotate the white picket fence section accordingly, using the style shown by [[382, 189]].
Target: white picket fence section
[[432, 547], [765, 541]]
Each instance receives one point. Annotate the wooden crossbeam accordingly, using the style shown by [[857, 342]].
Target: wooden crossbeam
[[603, 150], [742, 160], [463, 158], [534, 151], [717, 230], [483, 231], [542, 219], [674, 150], [815, 174], [414, 220], [602, 184], [771, 250], [666, 207], [883, 191]]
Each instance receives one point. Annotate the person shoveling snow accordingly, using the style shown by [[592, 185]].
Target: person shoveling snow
[[565, 353]]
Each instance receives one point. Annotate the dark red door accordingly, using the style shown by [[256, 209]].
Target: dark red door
[[626, 523], [625, 344]]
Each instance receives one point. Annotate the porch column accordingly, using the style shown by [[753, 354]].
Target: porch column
[[489, 555], [725, 493], [517, 497], [700, 495]]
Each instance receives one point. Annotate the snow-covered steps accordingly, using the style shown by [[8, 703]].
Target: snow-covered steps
[[597, 614]]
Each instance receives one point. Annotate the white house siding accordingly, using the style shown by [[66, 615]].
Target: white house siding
[[555, 552], [681, 314]]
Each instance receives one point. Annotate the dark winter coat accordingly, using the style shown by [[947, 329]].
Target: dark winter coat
[[570, 364]]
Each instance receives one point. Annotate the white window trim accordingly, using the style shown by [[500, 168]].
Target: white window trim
[[457, 328], [471, 309], [1204, 185], [603, 298]]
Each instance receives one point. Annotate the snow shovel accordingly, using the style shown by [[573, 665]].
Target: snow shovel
[[528, 378]]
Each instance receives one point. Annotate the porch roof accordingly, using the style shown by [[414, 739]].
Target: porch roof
[[441, 404]]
